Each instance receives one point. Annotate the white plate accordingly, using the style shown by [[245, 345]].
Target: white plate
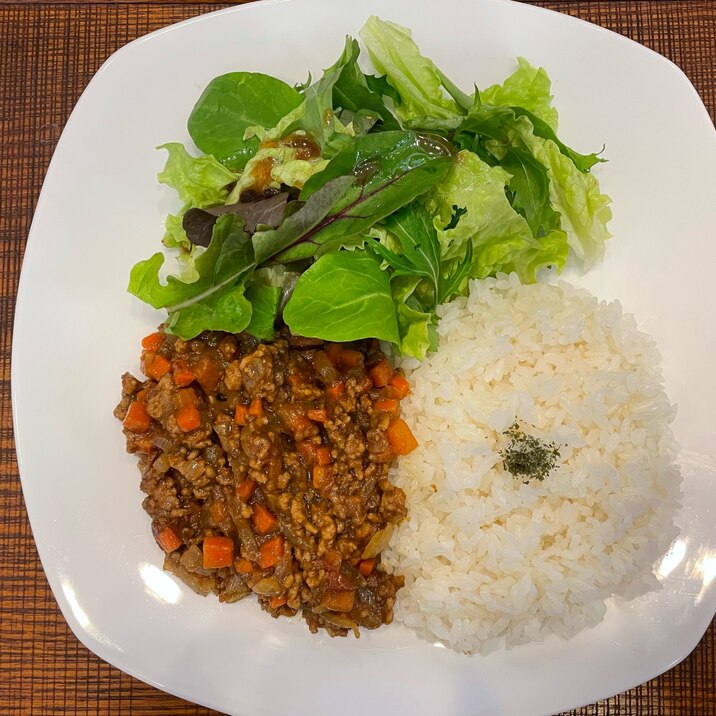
[[77, 330]]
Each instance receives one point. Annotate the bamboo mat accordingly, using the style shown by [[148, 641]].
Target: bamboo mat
[[48, 53]]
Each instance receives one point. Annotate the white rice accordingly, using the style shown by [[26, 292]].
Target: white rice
[[488, 559]]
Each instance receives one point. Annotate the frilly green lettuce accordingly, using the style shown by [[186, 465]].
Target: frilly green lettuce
[[584, 211], [416, 78], [199, 181], [495, 229], [527, 87]]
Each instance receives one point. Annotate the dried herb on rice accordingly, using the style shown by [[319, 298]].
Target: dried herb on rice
[[527, 457]]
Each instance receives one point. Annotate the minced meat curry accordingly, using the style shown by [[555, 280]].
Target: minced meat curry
[[265, 467]]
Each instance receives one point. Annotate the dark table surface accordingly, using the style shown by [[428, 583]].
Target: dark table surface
[[48, 53]]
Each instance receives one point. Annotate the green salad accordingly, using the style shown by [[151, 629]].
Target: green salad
[[353, 206]]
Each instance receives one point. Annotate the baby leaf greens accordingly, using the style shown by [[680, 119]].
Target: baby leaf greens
[[353, 206], [421, 279], [343, 296], [229, 256], [368, 180], [230, 105]]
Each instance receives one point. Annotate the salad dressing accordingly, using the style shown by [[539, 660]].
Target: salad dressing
[[305, 147], [261, 174]]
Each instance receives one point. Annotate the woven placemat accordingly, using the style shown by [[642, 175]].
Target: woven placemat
[[48, 53]]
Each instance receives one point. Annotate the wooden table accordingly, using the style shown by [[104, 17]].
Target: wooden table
[[48, 52]]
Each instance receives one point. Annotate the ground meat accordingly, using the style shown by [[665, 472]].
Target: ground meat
[[257, 373], [265, 468]]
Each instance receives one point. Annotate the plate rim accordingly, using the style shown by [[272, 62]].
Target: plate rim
[[94, 644]]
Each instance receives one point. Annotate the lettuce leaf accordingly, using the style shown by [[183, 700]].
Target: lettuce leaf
[[174, 235], [316, 115], [548, 183], [372, 177], [584, 210], [316, 118], [225, 310], [199, 181], [229, 105], [176, 238], [416, 324], [548, 251], [527, 87], [416, 78], [490, 223], [264, 301], [420, 280], [285, 168], [358, 92], [499, 237], [343, 296], [228, 258], [198, 224]]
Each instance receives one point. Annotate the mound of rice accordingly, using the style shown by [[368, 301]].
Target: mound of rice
[[487, 558]]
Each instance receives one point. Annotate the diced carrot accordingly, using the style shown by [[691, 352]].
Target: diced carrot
[[271, 552], [389, 392], [137, 419], [333, 351], [318, 415], [241, 416], [217, 552], [366, 566], [168, 539], [335, 390], [142, 395], [279, 601], [323, 456], [264, 520], [155, 366], [207, 374], [401, 439], [307, 450], [349, 359], [293, 415], [153, 342], [340, 601], [243, 566], [301, 424], [188, 418], [183, 375], [400, 383], [245, 489], [144, 445], [256, 408], [381, 373], [217, 511], [320, 477], [386, 405]]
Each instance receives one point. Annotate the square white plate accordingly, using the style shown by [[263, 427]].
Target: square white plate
[[101, 210]]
